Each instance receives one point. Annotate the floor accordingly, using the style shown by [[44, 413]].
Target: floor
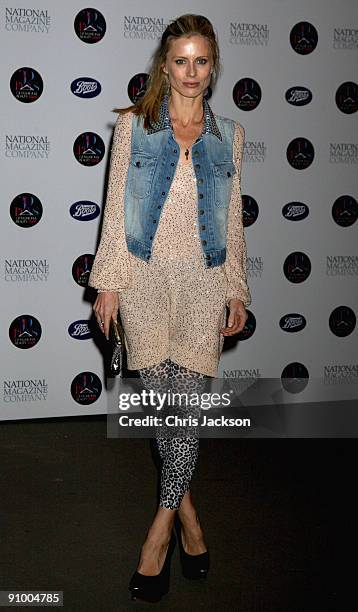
[[75, 507]]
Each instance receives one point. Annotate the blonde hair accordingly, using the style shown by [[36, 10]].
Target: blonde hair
[[157, 85]]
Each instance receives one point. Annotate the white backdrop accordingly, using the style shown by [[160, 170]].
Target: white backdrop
[[37, 158]]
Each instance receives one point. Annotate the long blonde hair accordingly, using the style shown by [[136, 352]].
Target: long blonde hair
[[157, 85]]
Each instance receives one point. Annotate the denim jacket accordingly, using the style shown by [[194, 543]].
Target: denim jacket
[[154, 157], [142, 167]]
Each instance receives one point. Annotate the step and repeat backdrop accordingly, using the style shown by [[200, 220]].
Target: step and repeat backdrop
[[289, 76]]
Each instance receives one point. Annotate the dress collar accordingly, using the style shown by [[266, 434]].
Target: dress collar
[[164, 121]]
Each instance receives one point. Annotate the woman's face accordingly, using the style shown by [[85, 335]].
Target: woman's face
[[189, 64]]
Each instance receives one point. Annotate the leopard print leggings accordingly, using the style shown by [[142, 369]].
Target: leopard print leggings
[[178, 451]]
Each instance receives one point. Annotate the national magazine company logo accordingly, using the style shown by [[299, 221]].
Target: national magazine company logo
[[26, 270], [143, 27], [21, 146], [27, 20], [25, 390], [256, 34]]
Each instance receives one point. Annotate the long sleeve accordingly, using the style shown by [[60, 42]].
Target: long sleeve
[[111, 270], [236, 253]]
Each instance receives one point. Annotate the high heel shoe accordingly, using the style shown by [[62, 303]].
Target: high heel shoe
[[194, 567], [152, 588]]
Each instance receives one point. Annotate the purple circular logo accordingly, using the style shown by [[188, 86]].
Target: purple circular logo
[[26, 210], [249, 327], [86, 388], [81, 269], [300, 153], [247, 94], [294, 377], [89, 149], [345, 210], [303, 38], [297, 267], [347, 97], [137, 86], [250, 210], [25, 331], [342, 321], [90, 25], [26, 85]]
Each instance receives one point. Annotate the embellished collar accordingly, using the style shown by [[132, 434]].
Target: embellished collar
[[164, 121]]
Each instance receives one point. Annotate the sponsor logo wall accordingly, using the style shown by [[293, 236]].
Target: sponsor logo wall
[[289, 77]]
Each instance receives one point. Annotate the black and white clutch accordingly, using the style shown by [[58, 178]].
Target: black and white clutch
[[116, 338]]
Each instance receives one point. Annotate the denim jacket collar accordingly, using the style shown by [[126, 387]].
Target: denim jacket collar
[[164, 121]]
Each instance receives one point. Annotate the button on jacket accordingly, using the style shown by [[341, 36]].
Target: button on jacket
[[141, 173]]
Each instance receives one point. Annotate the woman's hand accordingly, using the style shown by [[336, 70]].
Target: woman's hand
[[237, 318], [106, 307]]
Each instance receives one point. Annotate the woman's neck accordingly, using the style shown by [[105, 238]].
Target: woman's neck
[[185, 111]]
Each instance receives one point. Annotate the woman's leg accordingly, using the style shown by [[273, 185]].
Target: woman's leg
[[179, 456], [181, 449]]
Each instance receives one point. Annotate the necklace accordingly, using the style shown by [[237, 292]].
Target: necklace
[[187, 150]]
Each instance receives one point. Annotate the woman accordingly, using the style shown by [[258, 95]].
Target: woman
[[172, 256]]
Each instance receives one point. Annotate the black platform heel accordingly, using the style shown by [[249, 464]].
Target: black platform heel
[[152, 588], [194, 567]]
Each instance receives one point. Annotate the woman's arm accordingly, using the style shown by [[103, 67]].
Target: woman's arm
[[236, 254], [111, 269]]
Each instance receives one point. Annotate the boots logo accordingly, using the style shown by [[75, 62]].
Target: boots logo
[[26, 85], [295, 211], [294, 377], [26, 210], [303, 38], [88, 149], [85, 87], [342, 321], [298, 96], [79, 330], [81, 269], [297, 267], [86, 388], [345, 210], [347, 97], [247, 94], [84, 210], [300, 153], [292, 322], [137, 86], [90, 25], [250, 210], [25, 331]]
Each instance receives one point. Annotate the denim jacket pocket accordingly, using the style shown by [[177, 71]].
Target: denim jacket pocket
[[140, 174], [223, 175]]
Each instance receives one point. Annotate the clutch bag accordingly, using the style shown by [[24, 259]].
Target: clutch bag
[[116, 338]]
